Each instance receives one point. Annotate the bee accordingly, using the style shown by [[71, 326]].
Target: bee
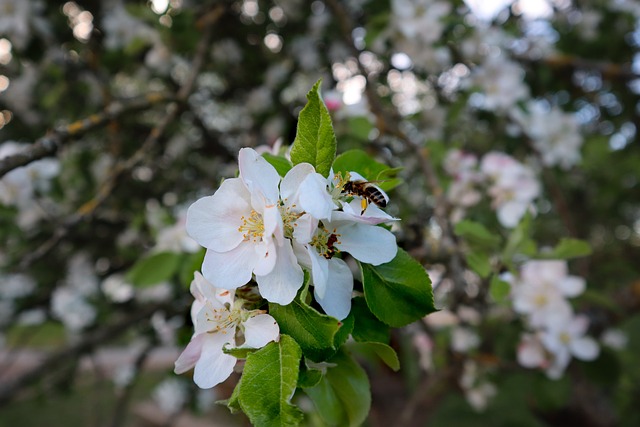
[[368, 191]]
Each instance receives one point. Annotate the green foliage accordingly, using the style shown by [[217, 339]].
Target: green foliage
[[398, 292], [387, 354], [359, 161], [499, 289], [315, 141], [281, 164], [568, 248], [343, 396], [154, 269], [268, 381], [477, 234], [314, 332], [367, 327]]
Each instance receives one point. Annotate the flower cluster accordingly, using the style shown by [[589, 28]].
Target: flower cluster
[[264, 227], [511, 185], [540, 294]]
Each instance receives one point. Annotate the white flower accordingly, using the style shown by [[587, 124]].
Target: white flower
[[14, 21], [502, 83], [615, 339], [513, 187], [541, 290], [555, 134], [566, 339], [71, 307], [175, 238], [464, 339], [217, 318], [242, 229], [15, 286]]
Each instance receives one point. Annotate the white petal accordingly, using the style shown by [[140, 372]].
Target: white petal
[[367, 243], [213, 221], [266, 256], [336, 301], [232, 269], [282, 283], [258, 174], [571, 286], [509, 214], [292, 180], [319, 271], [304, 228], [314, 197], [585, 348], [214, 366], [353, 212], [188, 358], [260, 330]]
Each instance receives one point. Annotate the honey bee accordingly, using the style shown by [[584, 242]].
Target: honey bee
[[368, 191]]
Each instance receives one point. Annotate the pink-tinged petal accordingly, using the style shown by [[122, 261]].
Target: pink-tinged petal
[[319, 271], [282, 283], [231, 269], [367, 243], [266, 257], [214, 366], [571, 286], [584, 348], [213, 221], [292, 180], [188, 358], [530, 352], [314, 197], [336, 301], [258, 174], [260, 330]]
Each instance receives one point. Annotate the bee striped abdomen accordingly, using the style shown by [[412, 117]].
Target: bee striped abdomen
[[375, 196]]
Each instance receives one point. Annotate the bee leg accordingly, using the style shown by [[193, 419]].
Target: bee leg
[[363, 204]]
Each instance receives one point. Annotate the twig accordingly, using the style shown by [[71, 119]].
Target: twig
[[10, 389], [106, 189], [49, 144]]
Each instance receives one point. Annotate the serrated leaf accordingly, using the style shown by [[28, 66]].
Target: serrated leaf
[[313, 331], [269, 378], [315, 141], [383, 351], [359, 161], [367, 327], [154, 269], [398, 292], [343, 396], [476, 234], [499, 289], [479, 262], [568, 248], [281, 164]]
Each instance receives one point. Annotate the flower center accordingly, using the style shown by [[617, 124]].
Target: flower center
[[565, 338], [222, 319], [252, 228], [324, 242], [289, 217], [540, 300]]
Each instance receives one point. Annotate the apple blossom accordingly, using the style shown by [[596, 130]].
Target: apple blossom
[[217, 318], [242, 228]]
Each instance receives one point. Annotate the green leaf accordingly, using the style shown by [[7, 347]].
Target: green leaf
[[269, 379], [281, 164], [346, 327], [367, 327], [398, 292], [343, 396], [313, 331], [309, 377], [359, 161], [238, 352], [499, 289], [154, 269], [519, 242], [477, 234], [315, 141], [233, 402], [479, 262], [568, 248], [383, 351]]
